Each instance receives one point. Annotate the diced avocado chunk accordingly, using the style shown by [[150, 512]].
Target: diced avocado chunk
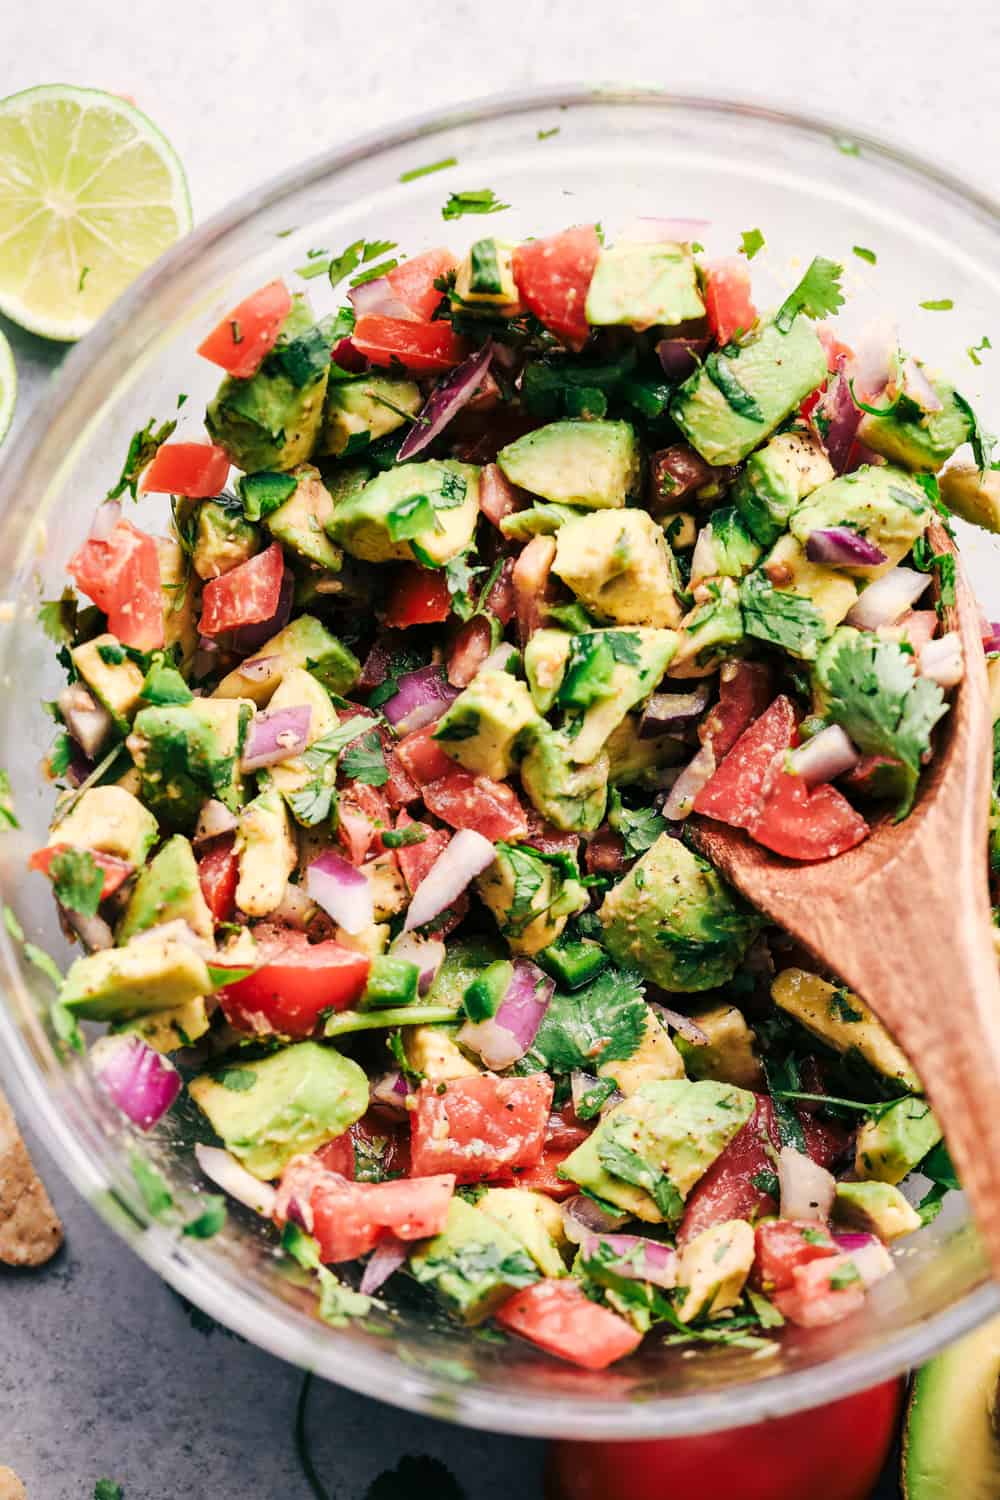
[[223, 539], [464, 959], [433, 1051], [300, 1097], [950, 1446], [619, 564], [542, 519], [167, 890], [973, 495], [709, 632], [890, 1146], [485, 281], [189, 752], [642, 285], [474, 1264], [391, 982], [730, 1054], [265, 847], [725, 548], [921, 441], [545, 658], [170, 1030], [638, 658], [654, 1059], [793, 603], [572, 797], [875, 1208], [737, 397], [535, 1221], [300, 522], [776, 478], [158, 972], [304, 642], [673, 917], [179, 592], [843, 1021], [531, 896], [111, 820], [272, 420], [879, 502], [713, 1268], [361, 410], [299, 688], [484, 728], [114, 679], [633, 761], [591, 464], [425, 512], [648, 1152]]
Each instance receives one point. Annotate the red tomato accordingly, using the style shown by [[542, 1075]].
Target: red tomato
[[497, 496], [479, 802], [812, 1301], [544, 1177], [116, 871], [470, 648], [429, 348], [349, 1218], [368, 1136], [733, 795], [836, 1453], [246, 595], [744, 693], [362, 813], [413, 280], [418, 596], [918, 627], [297, 980], [479, 1127], [194, 469], [804, 823], [400, 789], [121, 574], [218, 874], [728, 302], [423, 757], [336, 1156], [837, 353], [560, 1318], [415, 860], [249, 331], [553, 276], [782, 1245]]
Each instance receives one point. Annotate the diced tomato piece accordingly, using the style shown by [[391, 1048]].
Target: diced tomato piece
[[501, 599], [497, 496], [246, 595], [428, 348], [378, 662], [553, 276], [194, 469], [468, 801], [121, 574], [544, 1177], [249, 331], [423, 757], [734, 793], [470, 648], [728, 302], [565, 1131], [400, 789], [826, 1141], [809, 405], [530, 579], [362, 814], [480, 1127], [812, 1302], [413, 280], [349, 1218], [837, 353], [218, 875], [415, 860], [296, 981], [417, 596], [803, 823], [560, 1318], [116, 871], [337, 1156], [782, 1245], [374, 1137], [745, 690], [677, 474], [918, 627]]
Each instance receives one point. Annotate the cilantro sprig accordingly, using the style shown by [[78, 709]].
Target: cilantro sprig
[[817, 295], [473, 201]]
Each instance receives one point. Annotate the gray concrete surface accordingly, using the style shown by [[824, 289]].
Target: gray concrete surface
[[101, 1371]]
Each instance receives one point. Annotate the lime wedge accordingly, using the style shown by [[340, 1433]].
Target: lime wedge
[[8, 386], [90, 194]]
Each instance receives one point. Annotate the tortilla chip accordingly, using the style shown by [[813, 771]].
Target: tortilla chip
[[30, 1231], [11, 1487]]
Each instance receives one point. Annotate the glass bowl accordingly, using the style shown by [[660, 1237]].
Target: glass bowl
[[555, 158]]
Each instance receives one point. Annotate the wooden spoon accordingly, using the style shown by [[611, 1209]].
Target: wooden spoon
[[904, 920]]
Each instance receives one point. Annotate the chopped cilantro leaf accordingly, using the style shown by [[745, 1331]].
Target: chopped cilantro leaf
[[77, 880], [57, 617], [473, 201], [982, 441], [930, 1204], [842, 1008], [844, 1276], [142, 449], [313, 803], [768, 1315], [460, 577], [425, 171], [65, 1026], [106, 1489], [603, 1021], [737, 397], [818, 294], [942, 304], [639, 829], [863, 254], [44, 963], [779, 617], [329, 747], [402, 838], [624, 646], [974, 350], [8, 818], [622, 1161], [164, 684], [372, 273], [361, 252], [156, 1195], [846, 146], [365, 761], [766, 1182], [546, 135], [751, 241], [211, 1219]]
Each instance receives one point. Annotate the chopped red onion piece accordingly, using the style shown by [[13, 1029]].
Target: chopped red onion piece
[[246, 639], [583, 1217], [679, 357], [93, 932], [343, 891], [914, 384], [427, 953], [889, 597], [841, 417], [639, 1259], [468, 854], [295, 907], [386, 1258], [656, 231], [581, 1084], [227, 1173], [807, 1189], [447, 398], [391, 1091], [866, 1253], [689, 1029], [941, 660], [498, 1047], [991, 641], [214, 819], [349, 358], [503, 659], [106, 518], [663, 710], [422, 697], [276, 736], [87, 721], [142, 1082], [263, 668], [839, 546], [689, 783], [507, 1036], [824, 757], [377, 299], [876, 356]]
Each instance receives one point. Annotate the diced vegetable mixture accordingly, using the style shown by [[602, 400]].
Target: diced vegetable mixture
[[375, 774]]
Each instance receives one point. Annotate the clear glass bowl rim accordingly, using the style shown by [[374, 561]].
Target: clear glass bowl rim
[[375, 1372]]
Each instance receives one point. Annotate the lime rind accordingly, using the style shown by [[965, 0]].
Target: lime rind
[[8, 386]]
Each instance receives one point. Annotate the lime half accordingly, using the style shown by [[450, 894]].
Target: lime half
[[8, 386], [90, 194]]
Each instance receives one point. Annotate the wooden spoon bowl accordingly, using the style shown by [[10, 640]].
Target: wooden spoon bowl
[[904, 919]]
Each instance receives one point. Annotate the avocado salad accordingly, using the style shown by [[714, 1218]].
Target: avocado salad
[[375, 772]]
